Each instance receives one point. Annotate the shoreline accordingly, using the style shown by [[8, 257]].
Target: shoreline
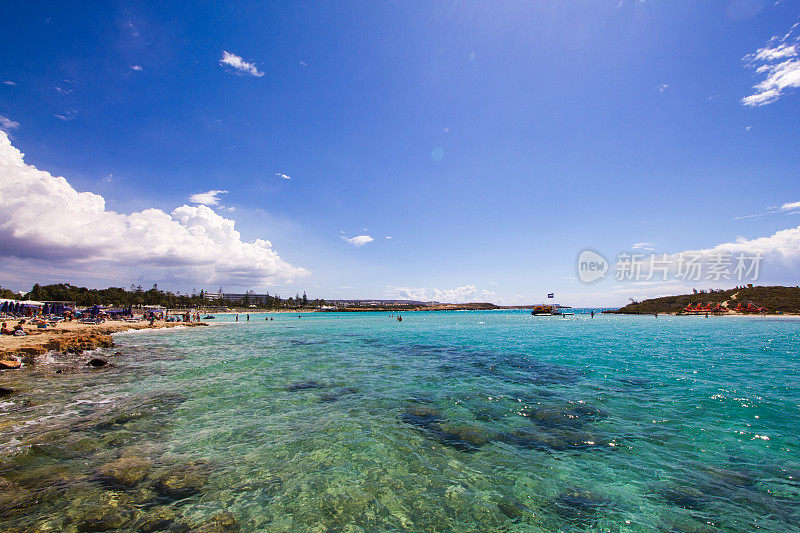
[[70, 337]]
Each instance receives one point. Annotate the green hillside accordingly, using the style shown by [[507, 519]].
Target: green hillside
[[775, 299]]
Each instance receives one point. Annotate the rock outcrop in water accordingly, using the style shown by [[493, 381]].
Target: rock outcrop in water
[[125, 471], [181, 481], [461, 436], [96, 362], [38, 343], [220, 523]]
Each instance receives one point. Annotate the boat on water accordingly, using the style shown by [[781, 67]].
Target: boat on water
[[208, 317], [550, 310]]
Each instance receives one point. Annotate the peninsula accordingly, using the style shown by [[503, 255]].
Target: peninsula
[[774, 300]]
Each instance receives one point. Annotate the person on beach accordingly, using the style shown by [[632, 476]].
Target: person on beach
[[237, 317], [248, 317], [5, 330], [592, 313]]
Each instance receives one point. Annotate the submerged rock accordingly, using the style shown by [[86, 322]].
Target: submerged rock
[[180, 482], [126, 471], [579, 506], [9, 364], [554, 439], [512, 509], [463, 435], [14, 500], [726, 476], [459, 435], [422, 416], [303, 385], [5, 391], [52, 450], [161, 519], [570, 414], [330, 397], [116, 439], [685, 496], [103, 514], [220, 523], [672, 520], [97, 362]]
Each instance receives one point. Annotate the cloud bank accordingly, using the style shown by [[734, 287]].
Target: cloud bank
[[239, 65], [783, 246], [42, 217], [459, 295], [778, 64]]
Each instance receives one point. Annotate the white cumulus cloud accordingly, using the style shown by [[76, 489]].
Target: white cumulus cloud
[[360, 240], [42, 217], [206, 198], [137, 68], [782, 245], [239, 65], [778, 65], [282, 175]]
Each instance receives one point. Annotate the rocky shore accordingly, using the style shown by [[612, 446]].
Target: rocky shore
[[71, 337], [102, 469]]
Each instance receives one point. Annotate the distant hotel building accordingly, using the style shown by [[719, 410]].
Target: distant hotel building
[[251, 296]]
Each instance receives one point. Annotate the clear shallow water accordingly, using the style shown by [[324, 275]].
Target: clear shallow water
[[455, 421]]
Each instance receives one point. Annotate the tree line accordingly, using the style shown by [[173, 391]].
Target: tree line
[[137, 296]]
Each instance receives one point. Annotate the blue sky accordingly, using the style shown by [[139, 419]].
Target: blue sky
[[492, 141]]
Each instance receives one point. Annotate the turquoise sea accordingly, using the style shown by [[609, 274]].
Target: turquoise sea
[[448, 421]]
